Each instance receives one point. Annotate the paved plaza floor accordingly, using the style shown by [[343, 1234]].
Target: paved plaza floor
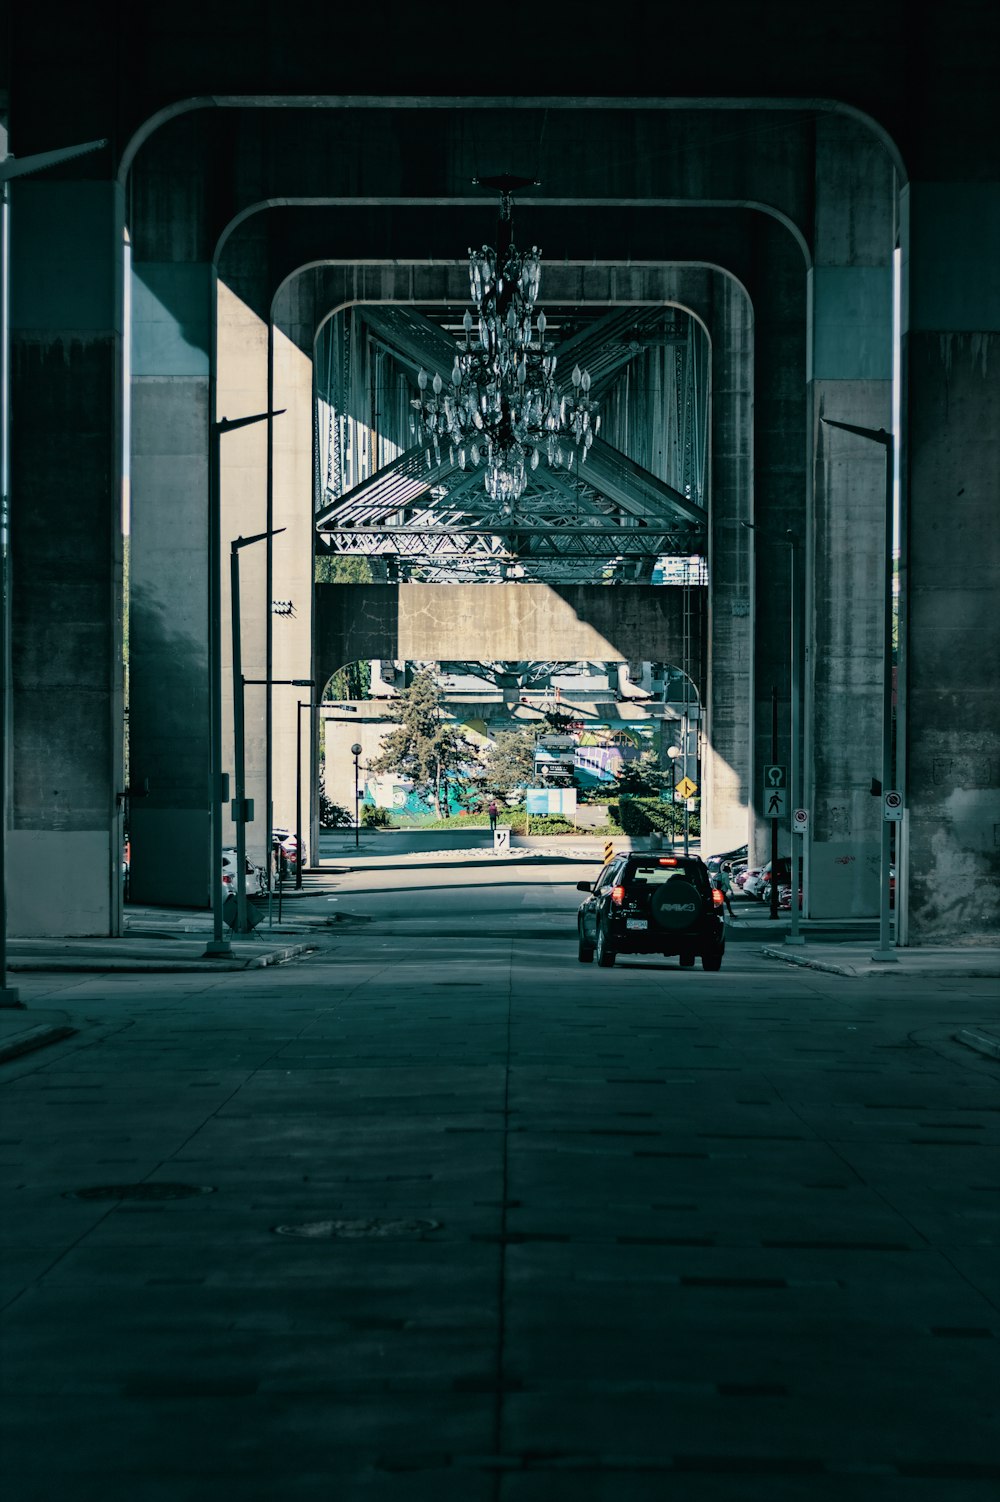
[[427, 1213]]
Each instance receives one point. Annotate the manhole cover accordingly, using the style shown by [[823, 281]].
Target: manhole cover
[[357, 1230], [139, 1192]]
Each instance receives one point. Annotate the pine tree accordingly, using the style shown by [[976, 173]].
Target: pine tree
[[424, 746], [510, 761]]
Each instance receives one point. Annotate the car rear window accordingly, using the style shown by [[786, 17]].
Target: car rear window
[[654, 873]]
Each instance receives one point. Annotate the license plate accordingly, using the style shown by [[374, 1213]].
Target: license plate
[[636, 923]]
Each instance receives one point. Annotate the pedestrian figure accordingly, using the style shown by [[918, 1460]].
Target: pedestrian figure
[[725, 886], [493, 811]]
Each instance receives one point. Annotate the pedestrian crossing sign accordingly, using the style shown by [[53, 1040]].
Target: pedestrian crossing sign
[[775, 803]]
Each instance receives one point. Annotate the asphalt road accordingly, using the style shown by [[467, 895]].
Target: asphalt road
[[427, 1216]]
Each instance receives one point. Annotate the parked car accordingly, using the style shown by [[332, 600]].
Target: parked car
[[751, 881], [728, 859], [740, 875], [783, 877], [256, 876], [649, 904], [284, 847]]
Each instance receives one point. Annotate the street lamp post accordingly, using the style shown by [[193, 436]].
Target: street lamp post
[[673, 752], [794, 785], [884, 954], [218, 947], [303, 704], [356, 752], [241, 813]]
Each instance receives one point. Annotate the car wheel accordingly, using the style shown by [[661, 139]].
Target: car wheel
[[686, 961], [584, 951], [712, 958], [605, 957]]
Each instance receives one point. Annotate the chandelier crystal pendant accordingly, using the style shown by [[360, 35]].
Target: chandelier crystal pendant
[[500, 406]]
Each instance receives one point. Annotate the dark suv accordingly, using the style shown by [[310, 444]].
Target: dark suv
[[652, 904]]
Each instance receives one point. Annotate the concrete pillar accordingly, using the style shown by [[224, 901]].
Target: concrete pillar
[[242, 391], [949, 740], [275, 643], [779, 440], [294, 508], [65, 841], [169, 668], [850, 376], [725, 772]]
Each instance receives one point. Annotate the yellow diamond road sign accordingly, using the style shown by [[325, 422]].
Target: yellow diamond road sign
[[687, 788]]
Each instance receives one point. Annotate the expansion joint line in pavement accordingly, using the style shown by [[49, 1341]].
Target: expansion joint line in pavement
[[498, 1395]]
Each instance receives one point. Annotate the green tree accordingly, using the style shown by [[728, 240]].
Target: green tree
[[642, 778], [509, 763], [337, 568], [351, 682], [424, 746]]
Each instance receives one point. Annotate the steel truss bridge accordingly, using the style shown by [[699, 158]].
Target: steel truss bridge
[[637, 499]]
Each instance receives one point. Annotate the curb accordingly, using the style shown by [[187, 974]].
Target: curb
[[277, 956], [80, 965], [982, 1042], [807, 964], [34, 1037]]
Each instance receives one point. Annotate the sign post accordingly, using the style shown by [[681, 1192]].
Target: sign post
[[800, 823], [775, 800]]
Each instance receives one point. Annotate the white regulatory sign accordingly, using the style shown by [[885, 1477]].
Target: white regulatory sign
[[892, 805], [800, 820], [501, 840]]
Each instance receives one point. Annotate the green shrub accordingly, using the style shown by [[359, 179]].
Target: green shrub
[[547, 824], [331, 815], [641, 816], [375, 818]]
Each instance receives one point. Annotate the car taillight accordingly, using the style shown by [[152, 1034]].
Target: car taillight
[[668, 860], [717, 897], [617, 896]]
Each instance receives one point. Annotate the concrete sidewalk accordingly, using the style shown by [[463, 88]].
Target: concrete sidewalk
[[854, 958]]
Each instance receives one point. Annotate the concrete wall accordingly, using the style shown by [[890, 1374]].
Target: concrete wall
[[500, 622]]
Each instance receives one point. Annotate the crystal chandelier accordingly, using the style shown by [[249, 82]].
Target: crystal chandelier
[[500, 406]]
